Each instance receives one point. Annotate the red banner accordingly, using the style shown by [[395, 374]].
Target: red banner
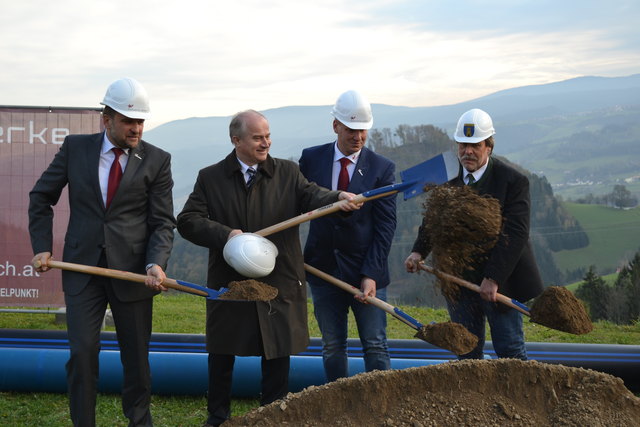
[[29, 139]]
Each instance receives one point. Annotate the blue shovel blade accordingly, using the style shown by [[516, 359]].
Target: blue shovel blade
[[437, 170], [213, 294]]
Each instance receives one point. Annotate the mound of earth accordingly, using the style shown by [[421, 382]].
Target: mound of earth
[[461, 393]]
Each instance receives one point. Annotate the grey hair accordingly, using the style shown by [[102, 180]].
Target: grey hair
[[238, 127]]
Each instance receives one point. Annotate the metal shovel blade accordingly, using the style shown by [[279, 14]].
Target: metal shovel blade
[[437, 170], [212, 293]]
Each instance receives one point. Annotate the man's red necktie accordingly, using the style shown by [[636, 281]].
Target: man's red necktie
[[343, 178], [115, 175]]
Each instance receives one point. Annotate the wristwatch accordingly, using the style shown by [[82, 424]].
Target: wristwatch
[[148, 266]]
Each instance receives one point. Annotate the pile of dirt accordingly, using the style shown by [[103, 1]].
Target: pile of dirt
[[557, 308], [249, 290], [461, 226], [462, 393], [448, 335]]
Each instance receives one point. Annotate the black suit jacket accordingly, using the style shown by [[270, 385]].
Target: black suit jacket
[[137, 229], [511, 262]]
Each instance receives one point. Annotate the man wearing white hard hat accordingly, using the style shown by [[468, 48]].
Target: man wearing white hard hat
[[248, 191], [510, 267], [121, 217], [353, 248]]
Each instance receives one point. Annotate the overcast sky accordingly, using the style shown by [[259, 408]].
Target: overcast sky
[[201, 58]]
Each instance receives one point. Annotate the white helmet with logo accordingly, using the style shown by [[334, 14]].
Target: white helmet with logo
[[250, 255], [129, 98], [353, 111], [474, 126]]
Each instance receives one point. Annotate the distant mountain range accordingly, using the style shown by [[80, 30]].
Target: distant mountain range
[[583, 134]]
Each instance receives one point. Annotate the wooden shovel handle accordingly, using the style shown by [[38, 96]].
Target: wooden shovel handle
[[122, 275], [501, 298], [317, 213], [398, 314]]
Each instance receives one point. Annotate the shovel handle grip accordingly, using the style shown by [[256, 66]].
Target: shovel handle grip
[[117, 274], [510, 302], [377, 302]]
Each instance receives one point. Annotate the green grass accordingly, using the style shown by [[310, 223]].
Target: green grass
[[181, 313], [614, 235]]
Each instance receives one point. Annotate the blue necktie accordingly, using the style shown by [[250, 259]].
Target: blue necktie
[[252, 176]]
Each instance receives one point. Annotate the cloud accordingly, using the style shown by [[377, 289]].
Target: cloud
[[202, 58]]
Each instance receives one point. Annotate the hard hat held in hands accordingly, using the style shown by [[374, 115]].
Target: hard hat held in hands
[[474, 126], [353, 111], [129, 98], [250, 255]]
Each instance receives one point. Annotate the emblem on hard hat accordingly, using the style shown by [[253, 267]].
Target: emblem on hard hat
[[469, 129]]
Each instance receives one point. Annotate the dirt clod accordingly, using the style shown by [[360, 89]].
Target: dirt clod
[[462, 393], [461, 226], [557, 308], [448, 335], [249, 290]]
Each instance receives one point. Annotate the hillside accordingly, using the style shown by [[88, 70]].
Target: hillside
[[582, 134], [614, 236]]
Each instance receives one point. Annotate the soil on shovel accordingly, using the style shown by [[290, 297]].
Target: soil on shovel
[[448, 335], [557, 308], [462, 226], [249, 290], [462, 393]]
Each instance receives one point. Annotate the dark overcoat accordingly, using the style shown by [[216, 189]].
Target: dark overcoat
[[219, 203]]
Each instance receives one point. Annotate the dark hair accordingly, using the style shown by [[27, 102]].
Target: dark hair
[[108, 111], [237, 126], [489, 142]]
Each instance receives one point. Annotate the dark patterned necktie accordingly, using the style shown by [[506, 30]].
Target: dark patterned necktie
[[252, 176], [470, 179], [115, 175]]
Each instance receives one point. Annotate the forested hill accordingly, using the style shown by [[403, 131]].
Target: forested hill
[[552, 228]]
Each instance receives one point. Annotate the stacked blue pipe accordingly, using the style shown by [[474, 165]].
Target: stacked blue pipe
[[34, 361]]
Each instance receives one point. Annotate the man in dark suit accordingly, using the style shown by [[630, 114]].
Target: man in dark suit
[[354, 247], [510, 267], [121, 207]]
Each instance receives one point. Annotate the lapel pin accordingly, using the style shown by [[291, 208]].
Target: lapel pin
[[138, 156], [360, 172]]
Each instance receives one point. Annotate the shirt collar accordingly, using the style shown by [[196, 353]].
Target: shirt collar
[[107, 145], [337, 154], [244, 166], [477, 174]]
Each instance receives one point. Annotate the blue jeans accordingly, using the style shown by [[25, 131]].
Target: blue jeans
[[331, 307], [507, 335]]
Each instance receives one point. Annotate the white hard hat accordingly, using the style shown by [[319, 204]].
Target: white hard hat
[[250, 255], [353, 111], [474, 126], [129, 98]]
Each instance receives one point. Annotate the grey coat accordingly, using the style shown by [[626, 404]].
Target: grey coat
[[221, 202]]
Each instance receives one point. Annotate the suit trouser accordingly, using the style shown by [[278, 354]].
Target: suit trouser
[[85, 313], [275, 384]]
